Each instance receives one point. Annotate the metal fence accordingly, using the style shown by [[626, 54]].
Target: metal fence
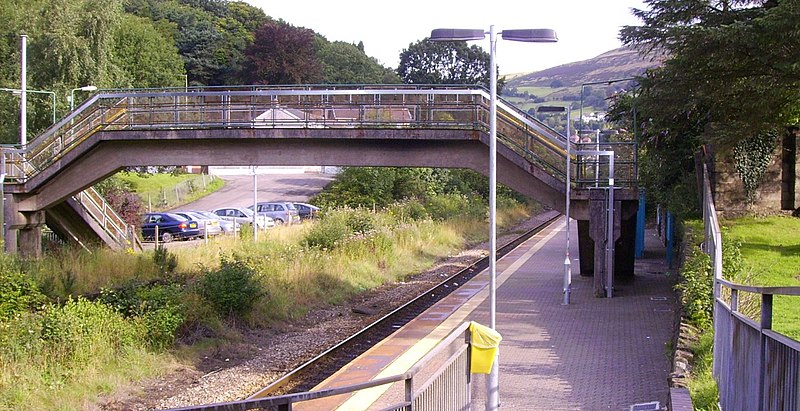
[[440, 381], [755, 367]]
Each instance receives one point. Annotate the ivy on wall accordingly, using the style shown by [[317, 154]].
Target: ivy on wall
[[751, 158]]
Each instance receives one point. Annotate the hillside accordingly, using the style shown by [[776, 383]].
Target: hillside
[[618, 63]]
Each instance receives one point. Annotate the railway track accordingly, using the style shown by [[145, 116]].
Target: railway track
[[316, 370]]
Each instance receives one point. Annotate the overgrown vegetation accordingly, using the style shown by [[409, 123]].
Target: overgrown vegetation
[[697, 300], [128, 308]]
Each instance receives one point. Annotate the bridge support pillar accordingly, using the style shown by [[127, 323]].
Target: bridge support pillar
[[30, 241], [593, 239], [22, 230]]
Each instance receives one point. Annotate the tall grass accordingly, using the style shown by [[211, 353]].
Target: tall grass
[[65, 355], [59, 357]]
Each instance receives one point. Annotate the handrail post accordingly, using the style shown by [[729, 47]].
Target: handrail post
[[766, 324], [766, 311]]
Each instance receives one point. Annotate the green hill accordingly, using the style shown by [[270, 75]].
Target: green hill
[[618, 63], [562, 84]]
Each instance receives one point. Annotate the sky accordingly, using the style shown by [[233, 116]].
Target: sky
[[585, 28]]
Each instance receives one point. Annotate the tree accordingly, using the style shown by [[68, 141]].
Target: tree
[[735, 59], [730, 76], [445, 62], [145, 57], [282, 54], [344, 63]]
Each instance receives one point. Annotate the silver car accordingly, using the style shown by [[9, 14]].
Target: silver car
[[228, 227], [244, 216], [208, 227], [280, 211]]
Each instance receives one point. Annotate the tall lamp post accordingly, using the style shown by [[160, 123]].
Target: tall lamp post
[[567, 262], [524, 35], [72, 95]]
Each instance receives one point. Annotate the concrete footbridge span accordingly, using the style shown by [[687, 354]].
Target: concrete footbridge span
[[388, 125]]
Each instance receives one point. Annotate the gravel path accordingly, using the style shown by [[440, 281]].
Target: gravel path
[[239, 370]]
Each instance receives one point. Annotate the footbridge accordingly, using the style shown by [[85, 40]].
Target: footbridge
[[395, 125]]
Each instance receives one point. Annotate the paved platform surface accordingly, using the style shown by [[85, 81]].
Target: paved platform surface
[[594, 354]]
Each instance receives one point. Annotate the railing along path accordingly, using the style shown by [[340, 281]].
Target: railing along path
[[756, 368]]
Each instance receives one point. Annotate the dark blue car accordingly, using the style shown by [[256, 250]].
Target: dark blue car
[[170, 226]]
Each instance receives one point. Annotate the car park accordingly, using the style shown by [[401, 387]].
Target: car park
[[209, 227], [244, 216], [169, 226], [281, 211], [306, 211]]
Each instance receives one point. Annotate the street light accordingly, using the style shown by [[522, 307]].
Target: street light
[[72, 95], [525, 35], [18, 92], [567, 262]]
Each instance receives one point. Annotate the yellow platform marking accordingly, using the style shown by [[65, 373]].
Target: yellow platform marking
[[407, 360]]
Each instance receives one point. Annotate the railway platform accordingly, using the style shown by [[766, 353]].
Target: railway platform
[[593, 354]]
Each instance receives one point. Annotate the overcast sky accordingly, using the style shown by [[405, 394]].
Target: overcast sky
[[585, 28]]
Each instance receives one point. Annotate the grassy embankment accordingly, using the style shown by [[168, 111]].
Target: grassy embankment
[[756, 251], [164, 191], [64, 356]]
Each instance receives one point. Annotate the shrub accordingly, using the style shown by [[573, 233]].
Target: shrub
[[696, 287], [165, 261], [328, 231], [360, 221], [79, 328], [408, 210], [158, 308], [445, 206], [161, 325], [232, 289], [18, 292]]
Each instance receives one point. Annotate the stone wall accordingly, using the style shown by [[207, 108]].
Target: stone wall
[[779, 180]]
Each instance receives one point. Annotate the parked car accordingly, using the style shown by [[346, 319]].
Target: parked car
[[306, 211], [244, 216], [170, 226], [208, 226], [227, 227], [280, 211]]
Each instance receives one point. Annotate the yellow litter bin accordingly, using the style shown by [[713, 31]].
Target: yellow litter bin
[[483, 347]]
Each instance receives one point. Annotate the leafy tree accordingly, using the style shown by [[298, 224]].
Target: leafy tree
[[445, 62], [735, 59], [282, 54], [730, 75], [344, 63], [145, 57]]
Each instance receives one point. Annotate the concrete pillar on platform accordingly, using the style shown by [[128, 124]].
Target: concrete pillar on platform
[[598, 221], [585, 249], [625, 250]]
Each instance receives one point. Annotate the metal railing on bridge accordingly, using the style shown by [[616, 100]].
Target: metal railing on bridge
[[755, 367], [365, 107]]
